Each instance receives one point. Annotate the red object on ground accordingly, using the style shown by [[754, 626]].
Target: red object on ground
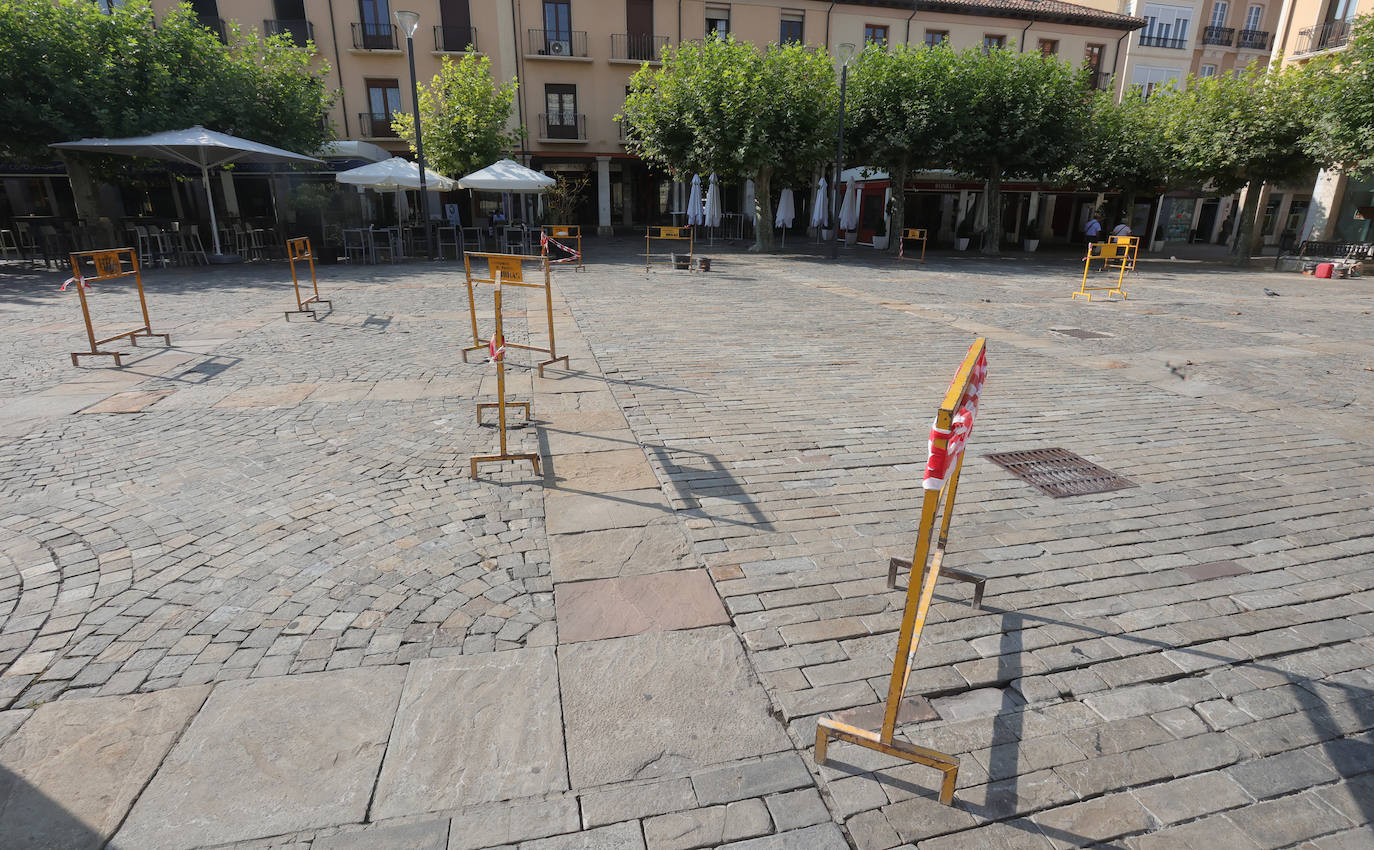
[[1325, 269]]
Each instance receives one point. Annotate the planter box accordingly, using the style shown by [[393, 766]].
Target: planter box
[[963, 243], [880, 242], [1031, 245]]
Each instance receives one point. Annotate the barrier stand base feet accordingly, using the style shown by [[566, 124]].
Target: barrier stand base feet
[[978, 582], [133, 340], [496, 405], [307, 310], [943, 762], [532, 458], [563, 360]]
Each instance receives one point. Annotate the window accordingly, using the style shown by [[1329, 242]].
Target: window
[[558, 20], [1148, 80], [874, 34], [1048, 47], [383, 98], [991, 42], [934, 38], [1207, 71], [1092, 57], [1166, 26], [560, 107], [1253, 16], [1219, 10], [375, 16], [718, 20], [791, 31]]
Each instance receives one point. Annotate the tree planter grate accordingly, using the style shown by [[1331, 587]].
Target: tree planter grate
[[1059, 472]]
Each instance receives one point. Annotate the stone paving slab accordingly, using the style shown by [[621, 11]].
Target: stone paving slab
[[270, 756], [474, 730], [618, 607]]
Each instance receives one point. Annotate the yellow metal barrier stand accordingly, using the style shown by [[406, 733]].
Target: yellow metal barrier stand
[[563, 233], [912, 234], [1108, 253], [669, 234], [498, 344], [920, 591], [109, 265], [509, 268], [299, 249]]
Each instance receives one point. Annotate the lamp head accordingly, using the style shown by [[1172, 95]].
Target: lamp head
[[408, 22], [845, 52]]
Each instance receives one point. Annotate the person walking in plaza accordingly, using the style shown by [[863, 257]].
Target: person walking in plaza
[[1122, 229], [1093, 229]]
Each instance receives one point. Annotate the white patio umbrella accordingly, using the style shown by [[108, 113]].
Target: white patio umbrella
[[849, 210], [395, 173], [194, 146], [695, 215], [820, 210], [787, 211], [507, 175], [713, 203]]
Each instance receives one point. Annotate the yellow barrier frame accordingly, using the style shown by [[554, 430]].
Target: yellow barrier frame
[[1118, 253], [509, 270], [912, 234], [109, 265], [919, 593], [498, 343], [561, 232], [669, 234], [299, 249]]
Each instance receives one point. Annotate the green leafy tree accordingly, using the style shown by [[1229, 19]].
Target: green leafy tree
[[464, 116], [1249, 128], [1019, 115], [68, 71], [721, 105], [901, 110], [1343, 91], [1122, 147]]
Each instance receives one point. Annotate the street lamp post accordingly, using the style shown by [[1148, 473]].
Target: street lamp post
[[845, 53], [408, 22]]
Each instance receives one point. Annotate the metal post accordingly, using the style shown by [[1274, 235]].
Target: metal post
[[839, 165], [419, 148]]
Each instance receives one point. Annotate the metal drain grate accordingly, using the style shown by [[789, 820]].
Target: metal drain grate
[[1059, 472], [1079, 333]]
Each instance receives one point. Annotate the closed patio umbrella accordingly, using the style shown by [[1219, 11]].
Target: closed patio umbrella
[[713, 203], [194, 146], [820, 210], [695, 214], [849, 210], [787, 211]]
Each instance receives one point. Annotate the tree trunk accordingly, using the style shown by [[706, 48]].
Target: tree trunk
[[992, 239], [763, 211], [85, 194], [1127, 212], [895, 226], [1245, 237]]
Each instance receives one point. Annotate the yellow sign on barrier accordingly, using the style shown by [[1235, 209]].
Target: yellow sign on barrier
[[299, 249], [1113, 255], [948, 436], [109, 265], [668, 234], [912, 234], [509, 269]]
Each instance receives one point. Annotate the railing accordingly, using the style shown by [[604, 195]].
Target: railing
[[214, 25], [1163, 41], [1326, 37], [1100, 80], [299, 31], [455, 39], [639, 48], [374, 37], [566, 126], [557, 43], [376, 125], [1253, 40], [1346, 250], [1218, 35]]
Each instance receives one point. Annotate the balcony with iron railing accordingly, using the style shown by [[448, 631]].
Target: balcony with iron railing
[[562, 127], [563, 44], [298, 31], [1148, 40], [627, 47], [449, 39], [1100, 80], [374, 37], [1253, 40], [216, 26], [375, 125], [1218, 35], [1330, 36]]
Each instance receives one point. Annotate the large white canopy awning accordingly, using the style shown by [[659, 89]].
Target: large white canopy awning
[[193, 146], [350, 149], [395, 173], [506, 176]]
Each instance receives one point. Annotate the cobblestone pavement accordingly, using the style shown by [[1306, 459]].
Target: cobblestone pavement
[[199, 554]]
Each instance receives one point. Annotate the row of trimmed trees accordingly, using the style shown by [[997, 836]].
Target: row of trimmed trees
[[995, 115]]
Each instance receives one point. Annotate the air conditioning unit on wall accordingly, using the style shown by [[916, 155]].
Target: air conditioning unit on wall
[[560, 48]]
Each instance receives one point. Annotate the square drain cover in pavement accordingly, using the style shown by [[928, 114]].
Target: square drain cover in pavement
[[1079, 333], [1059, 472]]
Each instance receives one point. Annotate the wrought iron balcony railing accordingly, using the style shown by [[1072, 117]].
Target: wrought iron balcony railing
[[1253, 40], [638, 48], [1218, 35], [563, 126], [1163, 41], [557, 43], [455, 39], [1326, 37], [298, 31], [374, 37]]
